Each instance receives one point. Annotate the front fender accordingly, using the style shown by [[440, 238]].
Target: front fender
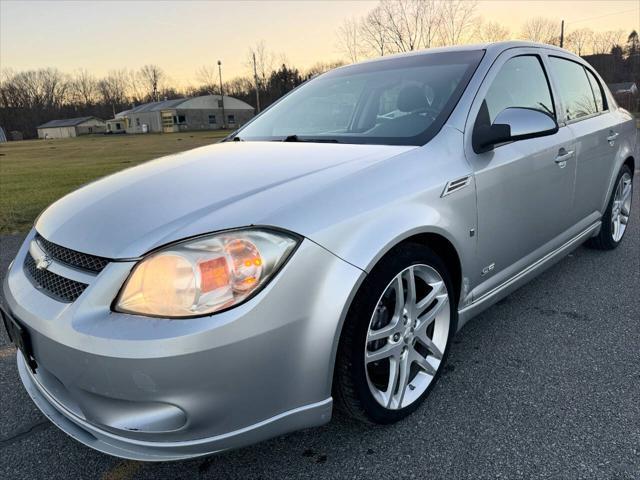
[[364, 239]]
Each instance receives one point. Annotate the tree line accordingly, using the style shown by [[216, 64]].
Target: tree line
[[396, 26], [30, 98], [33, 97]]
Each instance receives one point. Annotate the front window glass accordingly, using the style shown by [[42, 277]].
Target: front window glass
[[575, 89], [401, 101], [521, 82]]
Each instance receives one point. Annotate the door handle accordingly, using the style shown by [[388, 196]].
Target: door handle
[[612, 137], [563, 156]]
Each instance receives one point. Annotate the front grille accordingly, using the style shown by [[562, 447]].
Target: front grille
[[54, 285], [71, 257]]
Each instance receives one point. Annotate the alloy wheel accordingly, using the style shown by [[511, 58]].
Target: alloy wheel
[[621, 208], [407, 336]]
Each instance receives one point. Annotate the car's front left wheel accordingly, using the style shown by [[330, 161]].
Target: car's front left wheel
[[396, 336]]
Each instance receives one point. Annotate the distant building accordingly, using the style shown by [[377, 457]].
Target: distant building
[[626, 95], [198, 113], [116, 125], [624, 87], [71, 127]]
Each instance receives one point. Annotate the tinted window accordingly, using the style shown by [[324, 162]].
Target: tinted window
[[401, 101], [598, 94], [575, 89], [521, 82]]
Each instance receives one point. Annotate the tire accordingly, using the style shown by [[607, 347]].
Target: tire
[[354, 382], [608, 238]]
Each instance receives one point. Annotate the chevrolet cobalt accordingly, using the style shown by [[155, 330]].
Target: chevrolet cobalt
[[326, 252]]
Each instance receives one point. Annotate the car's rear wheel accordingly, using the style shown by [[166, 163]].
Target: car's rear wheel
[[396, 336], [616, 217]]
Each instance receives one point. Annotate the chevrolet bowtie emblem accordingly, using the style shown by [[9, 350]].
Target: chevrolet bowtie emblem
[[43, 262]]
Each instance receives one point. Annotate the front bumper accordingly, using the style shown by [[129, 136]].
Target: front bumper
[[308, 416], [158, 389]]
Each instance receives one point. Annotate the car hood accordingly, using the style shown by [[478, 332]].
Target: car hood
[[212, 188]]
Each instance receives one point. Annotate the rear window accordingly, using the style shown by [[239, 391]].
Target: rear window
[[576, 93], [598, 93]]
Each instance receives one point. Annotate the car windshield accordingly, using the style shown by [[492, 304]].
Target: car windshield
[[399, 101]]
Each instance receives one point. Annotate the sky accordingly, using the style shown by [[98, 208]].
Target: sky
[[182, 36]]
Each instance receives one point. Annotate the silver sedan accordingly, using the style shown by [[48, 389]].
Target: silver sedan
[[328, 251]]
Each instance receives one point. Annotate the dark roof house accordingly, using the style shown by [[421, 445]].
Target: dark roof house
[[623, 87], [71, 127]]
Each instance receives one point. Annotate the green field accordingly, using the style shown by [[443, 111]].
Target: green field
[[34, 173]]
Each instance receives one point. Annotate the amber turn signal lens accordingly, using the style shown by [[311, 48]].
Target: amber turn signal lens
[[204, 275]]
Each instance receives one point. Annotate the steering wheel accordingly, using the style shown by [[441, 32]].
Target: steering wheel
[[431, 112]]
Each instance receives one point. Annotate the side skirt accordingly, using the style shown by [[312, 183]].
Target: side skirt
[[522, 277]]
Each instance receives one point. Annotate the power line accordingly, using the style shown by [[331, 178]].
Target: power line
[[601, 16]]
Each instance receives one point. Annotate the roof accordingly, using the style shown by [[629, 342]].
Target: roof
[[67, 122], [194, 103], [493, 49]]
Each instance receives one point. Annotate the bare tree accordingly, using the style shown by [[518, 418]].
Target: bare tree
[[431, 21], [403, 23], [373, 33], [616, 37], [457, 20], [348, 36], [208, 77], [44, 89], [603, 42], [321, 67], [113, 89], [84, 88], [543, 30], [578, 40], [265, 61], [238, 86], [491, 32], [135, 87], [151, 76]]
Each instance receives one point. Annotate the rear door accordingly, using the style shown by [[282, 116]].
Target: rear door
[[524, 188], [586, 113]]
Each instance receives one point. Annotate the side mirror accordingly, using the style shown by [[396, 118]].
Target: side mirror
[[513, 124]]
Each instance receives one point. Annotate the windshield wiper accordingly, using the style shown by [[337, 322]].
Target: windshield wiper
[[295, 138]]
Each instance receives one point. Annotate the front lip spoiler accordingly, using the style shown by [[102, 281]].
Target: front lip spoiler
[[311, 415]]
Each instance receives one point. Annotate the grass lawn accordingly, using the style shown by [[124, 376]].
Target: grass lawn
[[34, 173]]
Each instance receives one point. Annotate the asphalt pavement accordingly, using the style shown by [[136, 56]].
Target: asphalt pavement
[[544, 384]]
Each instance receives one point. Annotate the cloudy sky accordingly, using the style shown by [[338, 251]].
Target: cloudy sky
[[181, 36]]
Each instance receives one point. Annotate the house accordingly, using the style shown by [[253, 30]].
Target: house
[[116, 125], [622, 88], [71, 127], [197, 113], [626, 95]]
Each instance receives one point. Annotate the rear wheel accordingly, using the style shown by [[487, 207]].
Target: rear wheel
[[396, 336], [616, 217]]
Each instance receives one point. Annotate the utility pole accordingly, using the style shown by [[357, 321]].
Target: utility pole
[[224, 117], [562, 34], [255, 76]]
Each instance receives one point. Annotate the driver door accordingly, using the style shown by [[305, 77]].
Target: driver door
[[525, 189]]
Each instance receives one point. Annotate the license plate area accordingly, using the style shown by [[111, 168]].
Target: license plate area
[[20, 338]]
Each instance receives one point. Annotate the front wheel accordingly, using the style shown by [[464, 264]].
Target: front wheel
[[616, 217], [396, 336]]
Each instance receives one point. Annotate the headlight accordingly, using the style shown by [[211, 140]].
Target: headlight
[[204, 275]]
